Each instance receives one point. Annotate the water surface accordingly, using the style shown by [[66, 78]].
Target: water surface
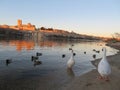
[[52, 73]]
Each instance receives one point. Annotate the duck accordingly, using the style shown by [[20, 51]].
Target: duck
[[63, 55], [71, 61], [38, 54], [84, 52], [104, 68], [94, 56], [34, 58], [98, 51], [94, 50], [8, 61], [74, 54], [70, 48]]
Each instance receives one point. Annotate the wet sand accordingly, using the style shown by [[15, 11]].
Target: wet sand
[[60, 80]]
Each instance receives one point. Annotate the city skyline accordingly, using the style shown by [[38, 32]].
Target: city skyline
[[91, 17]]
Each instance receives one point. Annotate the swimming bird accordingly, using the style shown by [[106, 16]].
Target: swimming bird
[[38, 54], [70, 48], [71, 61], [34, 58], [84, 52], [72, 45], [94, 50], [98, 51], [63, 55], [94, 56], [104, 68], [74, 54], [8, 61]]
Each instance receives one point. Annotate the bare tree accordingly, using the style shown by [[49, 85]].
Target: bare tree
[[116, 36]]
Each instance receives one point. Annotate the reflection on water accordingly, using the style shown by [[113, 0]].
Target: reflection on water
[[50, 63], [20, 44], [37, 62], [70, 72], [52, 51], [29, 45]]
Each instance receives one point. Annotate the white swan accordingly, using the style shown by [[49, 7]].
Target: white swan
[[71, 61], [104, 68]]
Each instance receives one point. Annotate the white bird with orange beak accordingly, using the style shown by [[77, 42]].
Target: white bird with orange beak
[[104, 68], [71, 61]]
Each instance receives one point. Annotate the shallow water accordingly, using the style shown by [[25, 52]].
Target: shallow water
[[52, 72]]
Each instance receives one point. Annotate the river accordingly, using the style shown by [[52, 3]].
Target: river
[[22, 73]]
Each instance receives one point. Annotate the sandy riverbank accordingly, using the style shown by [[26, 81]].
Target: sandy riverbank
[[89, 80]]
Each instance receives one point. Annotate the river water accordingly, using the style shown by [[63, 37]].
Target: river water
[[22, 74]]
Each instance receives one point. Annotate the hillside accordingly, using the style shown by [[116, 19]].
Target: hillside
[[60, 34]]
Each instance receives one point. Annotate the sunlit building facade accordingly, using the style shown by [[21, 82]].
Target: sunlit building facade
[[20, 26]]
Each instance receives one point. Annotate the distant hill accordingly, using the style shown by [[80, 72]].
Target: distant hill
[[60, 34], [46, 34]]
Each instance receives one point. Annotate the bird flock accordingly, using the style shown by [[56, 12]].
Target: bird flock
[[34, 59], [104, 68]]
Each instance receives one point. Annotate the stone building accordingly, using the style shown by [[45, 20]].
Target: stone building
[[20, 26], [28, 26]]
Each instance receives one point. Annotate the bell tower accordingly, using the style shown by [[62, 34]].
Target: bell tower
[[19, 23]]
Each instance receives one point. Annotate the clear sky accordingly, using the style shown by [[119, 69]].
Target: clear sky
[[92, 17]]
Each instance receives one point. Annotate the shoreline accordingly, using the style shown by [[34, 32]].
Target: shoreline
[[89, 80]]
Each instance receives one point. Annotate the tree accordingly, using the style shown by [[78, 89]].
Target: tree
[[43, 28], [51, 29], [117, 36]]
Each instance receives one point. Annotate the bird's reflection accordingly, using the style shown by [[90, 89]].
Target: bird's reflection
[[94, 63], [70, 72], [37, 62]]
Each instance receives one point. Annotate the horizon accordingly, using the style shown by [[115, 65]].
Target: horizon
[[97, 18]]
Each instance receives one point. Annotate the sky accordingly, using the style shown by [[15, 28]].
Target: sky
[[91, 17]]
